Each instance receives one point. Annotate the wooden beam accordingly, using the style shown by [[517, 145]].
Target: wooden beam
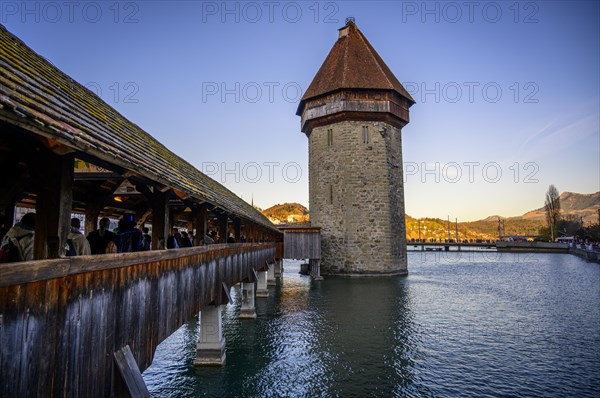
[[162, 188], [144, 189], [53, 203], [34, 271], [180, 194], [97, 176], [160, 218], [200, 218], [130, 373], [223, 225], [254, 233], [56, 147], [7, 214], [142, 217], [108, 165], [248, 232], [129, 173], [93, 209], [237, 229], [225, 295], [15, 182], [15, 178]]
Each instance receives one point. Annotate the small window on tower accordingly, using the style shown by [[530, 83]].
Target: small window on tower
[[365, 134], [329, 137], [330, 194]]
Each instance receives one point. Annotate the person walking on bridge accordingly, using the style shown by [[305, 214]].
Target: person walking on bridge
[[100, 238], [78, 244], [129, 239], [17, 244]]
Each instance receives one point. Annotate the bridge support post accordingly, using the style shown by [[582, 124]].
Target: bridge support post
[[315, 269], [271, 281], [248, 310], [210, 350], [261, 285], [278, 268]]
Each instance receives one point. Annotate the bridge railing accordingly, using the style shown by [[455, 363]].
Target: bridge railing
[[62, 320]]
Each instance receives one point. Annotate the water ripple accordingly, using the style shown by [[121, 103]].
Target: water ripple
[[469, 325]]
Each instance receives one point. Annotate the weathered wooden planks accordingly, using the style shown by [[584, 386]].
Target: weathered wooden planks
[[60, 327], [302, 243], [31, 271]]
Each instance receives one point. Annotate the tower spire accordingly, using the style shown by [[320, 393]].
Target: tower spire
[[353, 64]]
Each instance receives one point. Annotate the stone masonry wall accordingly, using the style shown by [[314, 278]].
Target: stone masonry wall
[[357, 198]]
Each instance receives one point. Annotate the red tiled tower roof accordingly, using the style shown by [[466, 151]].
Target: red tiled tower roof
[[352, 63]]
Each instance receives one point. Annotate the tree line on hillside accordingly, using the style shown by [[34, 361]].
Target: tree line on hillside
[[281, 212], [558, 225]]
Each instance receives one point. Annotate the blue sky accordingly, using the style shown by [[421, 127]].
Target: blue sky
[[508, 93]]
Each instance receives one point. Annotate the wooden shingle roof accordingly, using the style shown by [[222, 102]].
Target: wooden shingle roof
[[49, 102], [352, 63]]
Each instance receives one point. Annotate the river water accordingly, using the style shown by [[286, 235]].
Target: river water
[[477, 324]]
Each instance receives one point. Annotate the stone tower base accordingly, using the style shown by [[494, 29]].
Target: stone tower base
[[357, 198]]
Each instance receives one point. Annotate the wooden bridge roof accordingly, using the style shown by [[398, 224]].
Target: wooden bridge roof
[[40, 98], [352, 64]]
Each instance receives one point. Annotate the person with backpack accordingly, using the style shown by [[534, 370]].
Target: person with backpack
[[17, 244], [129, 238], [185, 240], [78, 245], [208, 240], [174, 240], [101, 238]]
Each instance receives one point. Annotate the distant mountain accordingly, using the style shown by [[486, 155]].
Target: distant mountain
[[493, 218], [576, 204], [287, 213], [572, 204]]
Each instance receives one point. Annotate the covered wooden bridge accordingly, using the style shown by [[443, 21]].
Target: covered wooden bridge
[[63, 321]]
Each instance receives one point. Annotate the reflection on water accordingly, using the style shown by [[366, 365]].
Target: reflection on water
[[461, 324]]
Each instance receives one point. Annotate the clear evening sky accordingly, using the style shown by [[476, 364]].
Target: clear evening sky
[[507, 92]]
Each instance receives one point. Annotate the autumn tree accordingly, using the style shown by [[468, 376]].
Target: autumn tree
[[552, 208]]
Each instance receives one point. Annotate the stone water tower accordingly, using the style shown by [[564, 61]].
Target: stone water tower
[[353, 113]]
